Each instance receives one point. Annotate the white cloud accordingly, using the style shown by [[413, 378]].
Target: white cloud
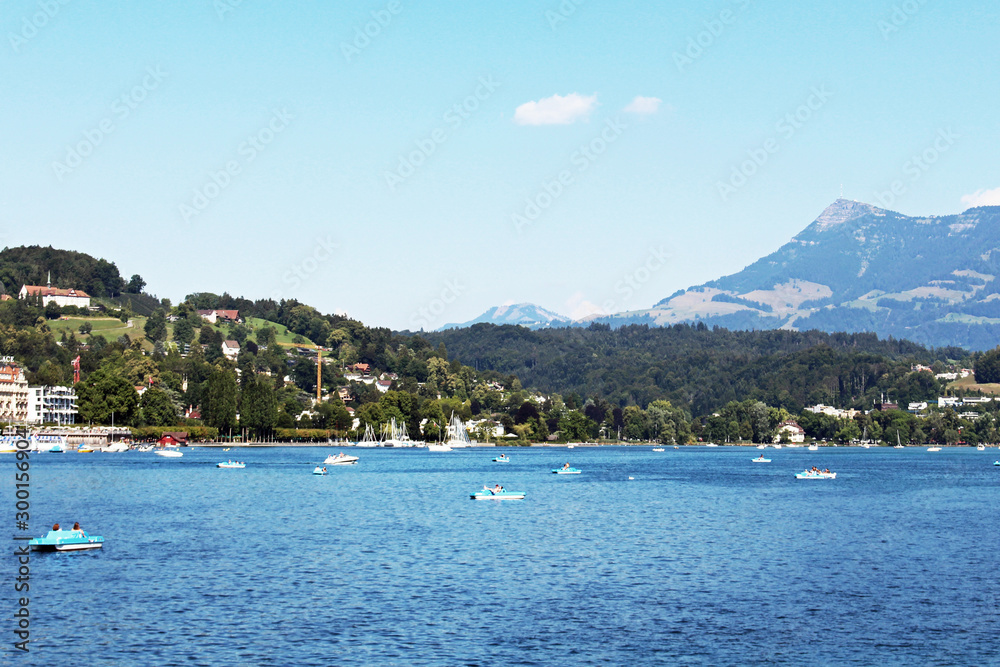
[[578, 307], [982, 198], [555, 110], [644, 105]]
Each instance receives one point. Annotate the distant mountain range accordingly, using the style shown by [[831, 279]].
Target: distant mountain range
[[932, 280], [525, 314]]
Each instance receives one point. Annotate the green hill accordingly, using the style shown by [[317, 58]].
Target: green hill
[[32, 265]]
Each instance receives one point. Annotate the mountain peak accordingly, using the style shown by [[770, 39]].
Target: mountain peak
[[523, 314], [841, 211]]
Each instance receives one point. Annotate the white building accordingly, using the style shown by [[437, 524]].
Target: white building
[[790, 428], [230, 349], [13, 392], [51, 405], [62, 297]]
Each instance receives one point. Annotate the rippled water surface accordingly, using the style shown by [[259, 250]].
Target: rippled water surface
[[689, 556]]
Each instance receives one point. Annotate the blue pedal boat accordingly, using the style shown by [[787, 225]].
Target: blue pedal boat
[[501, 459], [319, 471], [489, 494], [231, 464], [66, 540], [566, 471]]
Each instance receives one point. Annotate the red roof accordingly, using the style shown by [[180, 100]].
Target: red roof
[[54, 291]]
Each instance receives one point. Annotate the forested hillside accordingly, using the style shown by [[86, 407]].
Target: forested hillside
[[700, 367], [32, 265]]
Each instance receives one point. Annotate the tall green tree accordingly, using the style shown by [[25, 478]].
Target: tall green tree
[[987, 367], [258, 407], [156, 408], [156, 326], [220, 400], [104, 393]]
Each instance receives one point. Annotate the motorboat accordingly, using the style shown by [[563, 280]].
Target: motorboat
[[761, 446], [980, 448], [808, 474], [85, 449], [658, 449], [813, 448], [503, 458], [169, 453], [438, 447], [934, 449], [115, 448], [319, 471], [567, 471], [489, 494], [230, 464], [340, 459], [776, 446], [66, 540], [761, 459]]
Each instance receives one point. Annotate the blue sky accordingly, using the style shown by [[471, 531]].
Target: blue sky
[[463, 155]]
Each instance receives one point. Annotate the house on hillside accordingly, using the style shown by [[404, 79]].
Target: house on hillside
[[230, 349], [361, 368], [383, 385], [62, 297], [214, 316], [790, 428]]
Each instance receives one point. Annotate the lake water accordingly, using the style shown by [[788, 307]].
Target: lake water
[[702, 558]]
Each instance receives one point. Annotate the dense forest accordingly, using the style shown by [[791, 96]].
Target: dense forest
[[702, 368], [32, 265]]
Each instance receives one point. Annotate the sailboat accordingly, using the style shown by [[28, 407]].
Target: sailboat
[[898, 445], [396, 436], [369, 439], [457, 435]]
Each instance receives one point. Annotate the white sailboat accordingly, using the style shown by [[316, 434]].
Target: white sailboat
[[458, 437], [369, 439], [396, 436]]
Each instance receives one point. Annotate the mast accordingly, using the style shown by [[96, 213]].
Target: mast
[[319, 374]]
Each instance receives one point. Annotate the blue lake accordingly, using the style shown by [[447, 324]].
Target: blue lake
[[701, 558]]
